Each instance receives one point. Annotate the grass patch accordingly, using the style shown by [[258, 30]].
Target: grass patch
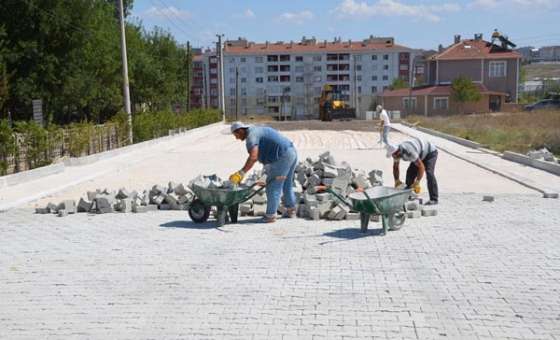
[[519, 132]]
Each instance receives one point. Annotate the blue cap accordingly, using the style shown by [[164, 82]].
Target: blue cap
[[238, 125]]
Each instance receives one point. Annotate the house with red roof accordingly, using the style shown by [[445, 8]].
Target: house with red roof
[[492, 66]]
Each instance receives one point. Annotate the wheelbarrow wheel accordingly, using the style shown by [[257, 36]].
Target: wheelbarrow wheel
[[396, 221], [199, 212]]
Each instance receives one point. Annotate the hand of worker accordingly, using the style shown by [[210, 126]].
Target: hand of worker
[[416, 187], [237, 177], [398, 183]]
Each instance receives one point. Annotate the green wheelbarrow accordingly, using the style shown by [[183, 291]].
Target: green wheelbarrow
[[387, 202], [225, 200]]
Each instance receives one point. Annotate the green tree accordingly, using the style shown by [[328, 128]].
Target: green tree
[[464, 91], [399, 83]]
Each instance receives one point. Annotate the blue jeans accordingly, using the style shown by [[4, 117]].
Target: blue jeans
[[280, 179]]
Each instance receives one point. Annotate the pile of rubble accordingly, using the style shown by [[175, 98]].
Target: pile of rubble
[[543, 155], [173, 197]]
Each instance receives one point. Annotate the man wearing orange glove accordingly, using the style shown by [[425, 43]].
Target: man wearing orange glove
[[268, 146], [422, 156]]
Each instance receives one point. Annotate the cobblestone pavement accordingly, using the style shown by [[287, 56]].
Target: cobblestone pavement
[[477, 270]]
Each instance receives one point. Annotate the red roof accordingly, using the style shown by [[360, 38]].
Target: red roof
[[475, 49], [436, 90], [298, 47]]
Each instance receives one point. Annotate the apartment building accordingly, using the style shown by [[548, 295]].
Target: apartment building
[[285, 79], [205, 80]]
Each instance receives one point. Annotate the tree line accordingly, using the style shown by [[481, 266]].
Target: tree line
[[67, 53]]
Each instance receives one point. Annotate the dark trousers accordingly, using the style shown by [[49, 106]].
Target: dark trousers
[[430, 165]]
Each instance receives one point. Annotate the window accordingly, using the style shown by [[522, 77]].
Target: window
[[232, 70], [272, 99], [385, 67], [332, 77], [261, 101], [285, 57], [213, 92], [317, 58], [374, 89], [284, 78], [243, 80], [284, 68], [409, 103], [272, 68], [272, 58], [316, 68], [359, 77], [214, 81], [232, 60], [497, 69], [344, 57], [385, 77], [259, 59], [272, 78], [332, 67], [358, 67], [299, 79], [299, 58], [344, 77], [374, 78], [259, 79], [441, 103], [243, 91], [242, 59], [331, 57], [357, 58], [403, 67], [259, 69], [385, 57], [359, 89], [344, 67], [374, 57], [232, 92], [317, 79]]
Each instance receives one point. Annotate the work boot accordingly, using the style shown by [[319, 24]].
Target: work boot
[[431, 202], [289, 213], [268, 219]]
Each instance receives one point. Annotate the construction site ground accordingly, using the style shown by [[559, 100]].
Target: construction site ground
[[477, 270]]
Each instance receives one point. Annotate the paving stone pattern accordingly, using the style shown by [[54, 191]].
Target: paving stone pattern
[[477, 270]]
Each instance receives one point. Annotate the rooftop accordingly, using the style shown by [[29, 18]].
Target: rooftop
[[434, 90], [475, 49]]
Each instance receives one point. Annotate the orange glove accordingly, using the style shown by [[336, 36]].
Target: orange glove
[[416, 187]]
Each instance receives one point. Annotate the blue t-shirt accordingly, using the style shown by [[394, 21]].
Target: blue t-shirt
[[272, 145]]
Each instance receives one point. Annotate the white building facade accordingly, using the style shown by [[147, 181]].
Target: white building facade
[[285, 80]]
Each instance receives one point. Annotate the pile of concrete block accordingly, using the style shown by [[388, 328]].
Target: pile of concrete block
[[415, 209], [174, 196]]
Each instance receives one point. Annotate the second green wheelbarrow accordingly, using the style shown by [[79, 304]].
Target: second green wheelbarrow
[[387, 202], [226, 201]]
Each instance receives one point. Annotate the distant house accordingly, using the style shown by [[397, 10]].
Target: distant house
[[492, 66]]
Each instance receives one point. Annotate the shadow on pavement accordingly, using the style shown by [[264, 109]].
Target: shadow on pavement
[[211, 224], [351, 234]]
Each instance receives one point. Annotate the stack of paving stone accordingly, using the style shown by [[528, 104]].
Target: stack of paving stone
[[543, 155], [173, 197], [415, 209]]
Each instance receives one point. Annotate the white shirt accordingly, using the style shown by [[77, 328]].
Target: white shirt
[[385, 117]]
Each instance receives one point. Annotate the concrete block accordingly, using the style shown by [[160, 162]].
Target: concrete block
[[164, 206], [259, 209], [42, 211], [353, 216], [375, 218], [324, 207], [313, 181], [158, 200], [62, 213], [180, 190], [314, 214], [376, 177], [414, 214], [259, 199], [329, 171], [173, 201], [144, 208], [301, 211], [124, 205], [122, 193], [53, 208], [328, 181], [324, 196], [133, 194], [361, 181], [550, 195], [245, 209], [158, 189], [171, 187], [301, 178], [429, 212], [84, 206], [91, 195], [488, 198], [102, 205], [68, 205], [412, 206]]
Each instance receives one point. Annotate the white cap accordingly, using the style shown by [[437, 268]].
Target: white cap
[[391, 150], [237, 126], [379, 108]]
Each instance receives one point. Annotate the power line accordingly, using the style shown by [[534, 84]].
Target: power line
[[162, 12]]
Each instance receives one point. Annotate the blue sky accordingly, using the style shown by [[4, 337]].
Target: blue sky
[[417, 24]]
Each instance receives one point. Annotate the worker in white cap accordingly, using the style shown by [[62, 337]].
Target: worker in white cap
[[422, 156], [384, 125], [268, 146]]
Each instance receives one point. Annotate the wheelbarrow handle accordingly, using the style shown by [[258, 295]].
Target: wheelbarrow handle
[[340, 197], [253, 192]]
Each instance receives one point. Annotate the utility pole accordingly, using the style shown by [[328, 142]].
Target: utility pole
[[189, 65], [126, 90], [222, 99]]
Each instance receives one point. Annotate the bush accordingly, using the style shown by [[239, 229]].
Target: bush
[[34, 141], [7, 145], [79, 138]]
